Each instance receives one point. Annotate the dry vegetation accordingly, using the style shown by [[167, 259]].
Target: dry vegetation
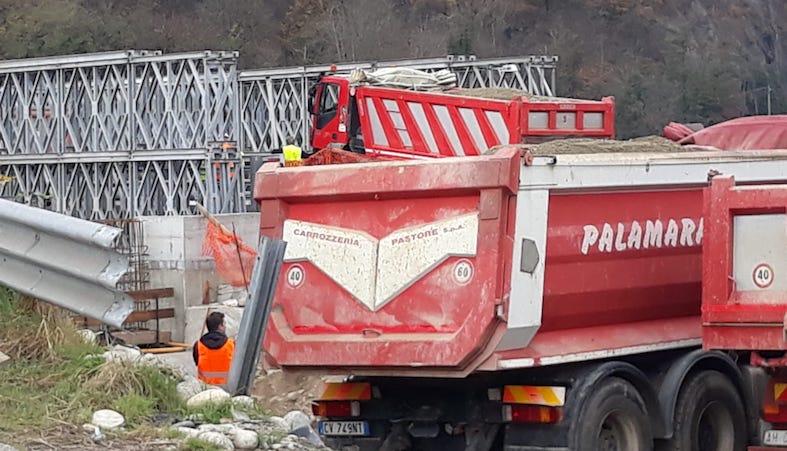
[[662, 59], [55, 381]]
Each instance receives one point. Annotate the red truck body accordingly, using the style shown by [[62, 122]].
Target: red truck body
[[376, 251], [434, 124], [744, 302], [745, 264], [484, 270]]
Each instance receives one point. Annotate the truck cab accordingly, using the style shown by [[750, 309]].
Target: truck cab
[[334, 119]]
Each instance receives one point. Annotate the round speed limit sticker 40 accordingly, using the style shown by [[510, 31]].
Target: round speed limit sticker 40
[[295, 276], [763, 275]]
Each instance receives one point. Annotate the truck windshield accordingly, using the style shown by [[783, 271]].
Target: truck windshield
[[329, 100]]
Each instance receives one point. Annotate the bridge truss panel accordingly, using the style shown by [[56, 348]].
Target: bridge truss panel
[[116, 135], [135, 100], [123, 185]]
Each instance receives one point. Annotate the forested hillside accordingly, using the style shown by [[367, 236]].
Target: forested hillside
[[697, 60]]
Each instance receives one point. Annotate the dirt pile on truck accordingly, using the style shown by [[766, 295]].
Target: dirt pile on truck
[[645, 144]]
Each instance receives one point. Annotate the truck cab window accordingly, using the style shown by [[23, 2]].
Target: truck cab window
[[329, 100]]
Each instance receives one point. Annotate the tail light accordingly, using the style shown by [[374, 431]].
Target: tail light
[[774, 407], [523, 413], [336, 408]]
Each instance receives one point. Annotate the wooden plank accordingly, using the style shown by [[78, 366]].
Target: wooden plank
[[149, 315], [135, 316], [146, 295], [182, 345], [142, 337]]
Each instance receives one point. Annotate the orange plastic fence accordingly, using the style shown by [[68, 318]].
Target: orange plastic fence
[[234, 259], [338, 156]]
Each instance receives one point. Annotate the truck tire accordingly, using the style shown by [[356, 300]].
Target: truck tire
[[614, 418], [709, 416]]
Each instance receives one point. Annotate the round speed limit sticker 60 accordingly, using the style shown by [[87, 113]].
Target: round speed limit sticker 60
[[463, 271], [763, 275]]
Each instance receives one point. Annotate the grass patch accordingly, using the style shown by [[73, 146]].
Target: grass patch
[[136, 408], [196, 444], [212, 412], [215, 412], [52, 380]]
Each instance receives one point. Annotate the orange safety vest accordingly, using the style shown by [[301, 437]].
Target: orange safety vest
[[214, 364]]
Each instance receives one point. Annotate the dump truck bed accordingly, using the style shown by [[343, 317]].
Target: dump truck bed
[[745, 267], [444, 267], [465, 123]]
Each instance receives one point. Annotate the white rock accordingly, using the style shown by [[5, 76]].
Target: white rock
[[218, 439], [88, 336], [296, 419], [243, 401], [228, 429], [279, 423], [213, 395], [150, 359], [189, 387], [277, 446], [4, 358], [243, 439], [4, 447], [188, 432], [108, 419], [239, 415], [125, 349], [122, 353]]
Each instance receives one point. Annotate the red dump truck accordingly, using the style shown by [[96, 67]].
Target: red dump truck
[[456, 122], [744, 304], [517, 300]]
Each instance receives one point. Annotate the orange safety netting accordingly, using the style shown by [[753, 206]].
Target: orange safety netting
[[331, 155], [234, 259]]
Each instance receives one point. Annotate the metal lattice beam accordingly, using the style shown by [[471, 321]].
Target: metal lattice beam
[[120, 134]]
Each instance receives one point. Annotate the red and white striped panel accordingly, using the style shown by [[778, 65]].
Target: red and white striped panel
[[433, 124]]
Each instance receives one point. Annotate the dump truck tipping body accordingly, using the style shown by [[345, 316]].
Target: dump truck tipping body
[[444, 267], [745, 265], [452, 123]]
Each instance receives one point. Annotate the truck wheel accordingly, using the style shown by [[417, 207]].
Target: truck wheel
[[709, 416], [614, 418]]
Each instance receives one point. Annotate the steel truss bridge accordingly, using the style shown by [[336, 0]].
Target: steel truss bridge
[[122, 134]]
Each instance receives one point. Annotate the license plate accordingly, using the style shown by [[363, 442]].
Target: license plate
[[778, 438], [343, 428]]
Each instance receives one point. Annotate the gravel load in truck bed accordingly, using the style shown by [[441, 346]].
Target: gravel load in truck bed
[[645, 144], [508, 94]]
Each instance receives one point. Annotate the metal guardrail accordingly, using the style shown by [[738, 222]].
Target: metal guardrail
[[270, 255], [66, 261]]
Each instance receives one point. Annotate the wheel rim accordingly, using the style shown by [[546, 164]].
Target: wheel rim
[[618, 433], [715, 429]]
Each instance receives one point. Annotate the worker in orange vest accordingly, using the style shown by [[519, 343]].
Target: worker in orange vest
[[213, 352]]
